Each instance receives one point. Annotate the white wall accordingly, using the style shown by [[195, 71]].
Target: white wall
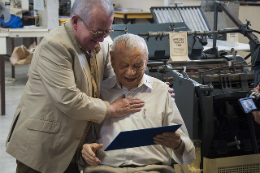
[[145, 5], [184, 2]]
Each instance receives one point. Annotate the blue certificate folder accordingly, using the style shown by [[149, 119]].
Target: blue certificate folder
[[137, 138]]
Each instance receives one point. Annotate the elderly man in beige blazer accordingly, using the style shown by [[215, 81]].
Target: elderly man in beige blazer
[[61, 97]]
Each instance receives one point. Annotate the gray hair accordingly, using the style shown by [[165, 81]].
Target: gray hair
[[85, 8], [131, 42]]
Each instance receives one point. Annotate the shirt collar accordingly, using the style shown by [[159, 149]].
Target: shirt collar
[[95, 50], [146, 80], [114, 82]]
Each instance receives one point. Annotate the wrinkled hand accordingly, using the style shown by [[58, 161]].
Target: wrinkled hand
[[123, 106], [168, 139], [88, 153], [171, 91], [257, 116]]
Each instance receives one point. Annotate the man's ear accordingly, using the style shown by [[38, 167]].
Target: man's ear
[[74, 22], [146, 62]]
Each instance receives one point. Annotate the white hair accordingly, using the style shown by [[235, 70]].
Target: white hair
[[131, 42], [85, 8]]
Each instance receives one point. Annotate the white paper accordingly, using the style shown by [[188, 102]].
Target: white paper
[[178, 46]]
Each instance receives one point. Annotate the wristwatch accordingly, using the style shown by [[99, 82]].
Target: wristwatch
[[178, 148]]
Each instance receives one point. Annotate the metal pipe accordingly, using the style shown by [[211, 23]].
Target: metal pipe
[[157, 15], [172, 15], [13, 68], [2, 67], [164, 34], [195, 19], [178, 13], [188, 22], [191, 19], [202, 19], [184, 16], [215, 27], [235, 19]]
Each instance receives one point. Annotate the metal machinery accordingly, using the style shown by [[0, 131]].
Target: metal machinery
[[192, 16], [207, 87], [64, 7], [16, 7]]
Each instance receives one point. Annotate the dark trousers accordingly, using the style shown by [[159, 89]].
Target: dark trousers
[[22, 168]]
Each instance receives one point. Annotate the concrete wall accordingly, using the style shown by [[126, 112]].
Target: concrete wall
[[49, 18]]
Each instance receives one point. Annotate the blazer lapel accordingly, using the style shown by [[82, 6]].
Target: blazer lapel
[[81, 69], [84, 75]]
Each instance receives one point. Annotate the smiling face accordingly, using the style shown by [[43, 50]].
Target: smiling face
[[99, 22], [129, 65]]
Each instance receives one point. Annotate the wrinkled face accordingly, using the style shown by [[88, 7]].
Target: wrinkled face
[[129, 65], [99, 22]]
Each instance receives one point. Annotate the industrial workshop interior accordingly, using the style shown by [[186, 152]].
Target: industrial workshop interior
[[206, 50]]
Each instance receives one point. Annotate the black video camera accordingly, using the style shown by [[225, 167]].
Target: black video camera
[[251, 103]]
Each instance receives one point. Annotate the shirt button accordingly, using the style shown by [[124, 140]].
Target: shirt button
[[78, 138]]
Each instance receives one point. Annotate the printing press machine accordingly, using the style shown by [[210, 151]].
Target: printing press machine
[[207, 87]]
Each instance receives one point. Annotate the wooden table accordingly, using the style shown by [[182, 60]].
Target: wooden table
[[13, 33], [127, 16]]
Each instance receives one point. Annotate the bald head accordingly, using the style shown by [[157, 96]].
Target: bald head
[[86, 8], [129, 42]]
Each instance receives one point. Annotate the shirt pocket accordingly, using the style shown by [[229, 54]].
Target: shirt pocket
[[149, 119]]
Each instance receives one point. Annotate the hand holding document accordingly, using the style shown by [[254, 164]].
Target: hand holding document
[[137, 138]]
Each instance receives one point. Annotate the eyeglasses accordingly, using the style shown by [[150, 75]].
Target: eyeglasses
[[97, 34]]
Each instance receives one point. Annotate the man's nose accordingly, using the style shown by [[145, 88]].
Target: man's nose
[[101, 38], [131, 71]]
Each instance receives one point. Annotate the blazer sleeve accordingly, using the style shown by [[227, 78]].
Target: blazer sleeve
[[55, 68]]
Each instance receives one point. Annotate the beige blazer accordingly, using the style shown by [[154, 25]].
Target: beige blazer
[[57, 103]]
